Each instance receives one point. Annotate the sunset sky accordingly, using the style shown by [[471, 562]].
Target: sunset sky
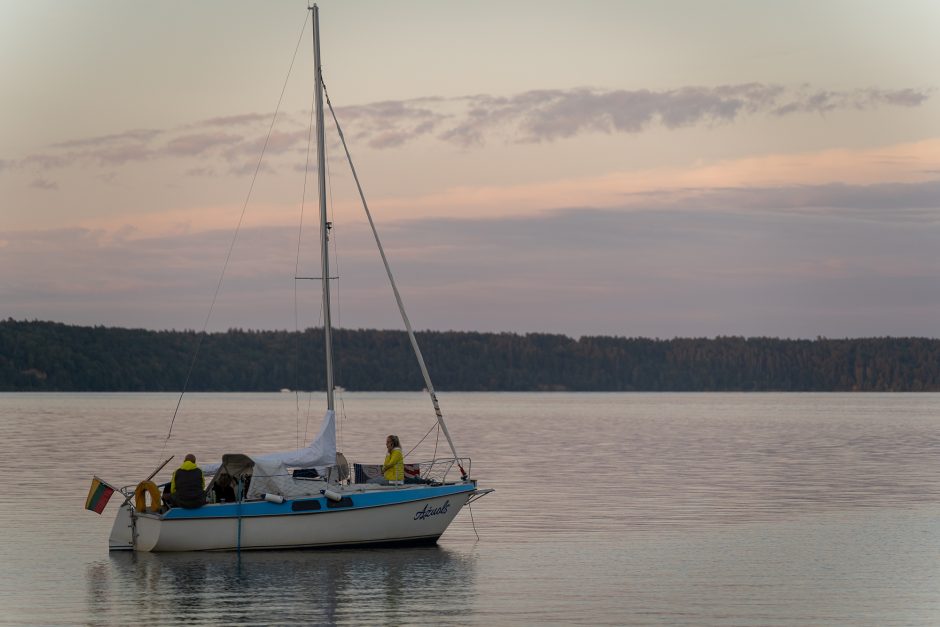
[[675, 168]]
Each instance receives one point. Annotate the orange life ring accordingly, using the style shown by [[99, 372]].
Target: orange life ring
[[140, 499]]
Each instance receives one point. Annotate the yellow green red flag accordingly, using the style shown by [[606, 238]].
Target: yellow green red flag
[[98, 495]]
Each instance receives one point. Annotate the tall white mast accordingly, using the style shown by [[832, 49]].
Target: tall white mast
[[324, 224]]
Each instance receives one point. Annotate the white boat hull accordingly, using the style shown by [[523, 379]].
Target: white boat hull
[[417, 514]]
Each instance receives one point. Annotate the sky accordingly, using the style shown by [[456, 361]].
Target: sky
[[660, 169]]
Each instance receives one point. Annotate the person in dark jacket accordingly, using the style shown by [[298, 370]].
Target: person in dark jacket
[[188, 488]]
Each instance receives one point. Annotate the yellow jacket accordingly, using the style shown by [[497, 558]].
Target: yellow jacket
[[394, 466]]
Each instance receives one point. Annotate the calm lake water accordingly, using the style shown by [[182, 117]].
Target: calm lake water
[[674, 509]]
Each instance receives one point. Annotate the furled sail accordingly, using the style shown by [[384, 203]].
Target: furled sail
[[320, 452]]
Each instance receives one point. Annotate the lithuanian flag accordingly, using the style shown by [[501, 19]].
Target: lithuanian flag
[[98, 495]]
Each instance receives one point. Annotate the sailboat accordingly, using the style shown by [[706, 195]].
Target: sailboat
[[308, 497]]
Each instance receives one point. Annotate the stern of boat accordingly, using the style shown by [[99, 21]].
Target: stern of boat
[[122, 531]]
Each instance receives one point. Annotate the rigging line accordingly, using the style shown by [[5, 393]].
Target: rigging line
[[307, 423], [231, 247], [339, 302], [342, 405], [391, 280], [329, 185], [310, 393], [337, 369], [307, 417], [337, 366], [300, 228], [423, 439], [473, 522], [300, 231]]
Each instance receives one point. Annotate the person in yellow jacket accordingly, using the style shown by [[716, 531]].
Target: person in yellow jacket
[[187, 489], [393, 470]]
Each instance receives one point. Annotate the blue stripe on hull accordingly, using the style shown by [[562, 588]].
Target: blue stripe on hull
[[365, 544], [361, 500]]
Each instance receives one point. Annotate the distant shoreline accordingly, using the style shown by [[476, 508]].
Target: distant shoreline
[[41, 356]]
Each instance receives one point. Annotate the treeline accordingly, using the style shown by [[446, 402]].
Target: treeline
[[48, 356]]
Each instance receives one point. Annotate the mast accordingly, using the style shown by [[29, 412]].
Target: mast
[[324, 224]]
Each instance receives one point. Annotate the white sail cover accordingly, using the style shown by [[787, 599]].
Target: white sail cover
[[320, 452], [274, 478]]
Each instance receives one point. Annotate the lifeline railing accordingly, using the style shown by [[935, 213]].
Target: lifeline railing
[[433, 471], [437, 469]]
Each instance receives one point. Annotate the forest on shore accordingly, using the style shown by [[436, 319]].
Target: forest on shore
[[50, 356]]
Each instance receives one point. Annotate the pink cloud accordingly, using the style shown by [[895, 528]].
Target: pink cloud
[[902, 163]]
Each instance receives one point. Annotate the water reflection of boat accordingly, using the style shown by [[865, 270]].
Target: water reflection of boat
[[272, 505], [363, 586]]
